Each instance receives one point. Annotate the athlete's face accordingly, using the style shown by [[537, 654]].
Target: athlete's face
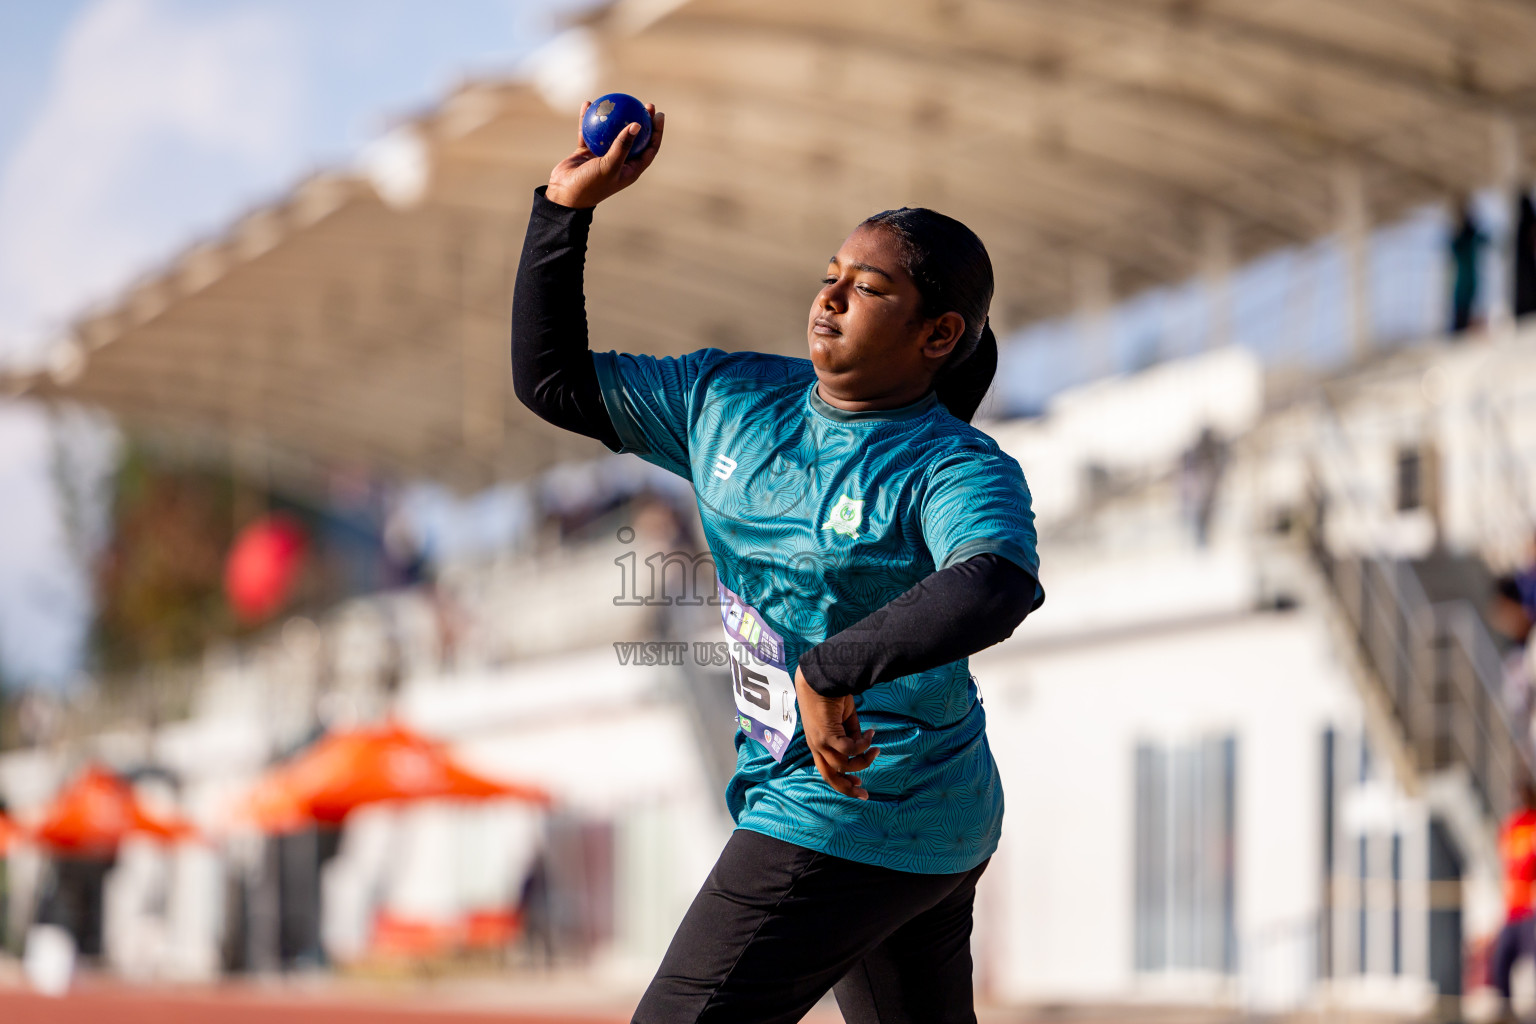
[[870, 343]]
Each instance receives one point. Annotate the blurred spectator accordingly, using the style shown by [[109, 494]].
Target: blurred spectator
[[1199, 480], [1511, 620], [1524, 581], [351, 530], [1517, 851], [534, 910], [405, 556], [1466, 249], [1525, 255], [39, 718], [1508, 613], [1512, 614], [451, 622], [658, 524], [72, 898], [574, 496]]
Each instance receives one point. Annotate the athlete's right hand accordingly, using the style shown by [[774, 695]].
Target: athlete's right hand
[[584, 179], [839, 749]]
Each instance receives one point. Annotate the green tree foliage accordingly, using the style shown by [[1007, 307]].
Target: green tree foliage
[[160, 577]]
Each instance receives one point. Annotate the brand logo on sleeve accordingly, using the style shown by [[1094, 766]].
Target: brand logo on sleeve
[[724, 466], [846, 517]]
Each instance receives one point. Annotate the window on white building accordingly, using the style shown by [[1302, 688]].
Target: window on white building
[[1185, 811]]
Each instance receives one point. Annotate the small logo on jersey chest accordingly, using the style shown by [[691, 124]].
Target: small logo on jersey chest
[[724, 466], [846, 517]]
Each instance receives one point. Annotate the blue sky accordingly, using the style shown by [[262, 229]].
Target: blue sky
[[130, 128]]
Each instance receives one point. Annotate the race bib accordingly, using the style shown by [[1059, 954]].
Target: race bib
[[764, 690]]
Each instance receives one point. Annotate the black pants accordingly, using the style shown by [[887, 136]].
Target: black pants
[[1516, 939], [776, 925]]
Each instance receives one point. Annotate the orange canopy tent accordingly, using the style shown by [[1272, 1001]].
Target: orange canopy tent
[[9, 833], [346, 770], [94, 813]]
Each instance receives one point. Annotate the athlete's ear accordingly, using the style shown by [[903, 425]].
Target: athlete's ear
[[947, 331]]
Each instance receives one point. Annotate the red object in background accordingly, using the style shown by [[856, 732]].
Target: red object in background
[[263, 566], [94, 813], [404, 938], [9, 833], [1517, 849], [408, 939], [491, 929], [346, 770]]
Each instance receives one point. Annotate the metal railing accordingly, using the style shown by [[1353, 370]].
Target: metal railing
[[1435, 663], [1437, 668]]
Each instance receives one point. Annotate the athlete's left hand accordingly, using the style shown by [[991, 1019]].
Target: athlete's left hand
[[831, 727]]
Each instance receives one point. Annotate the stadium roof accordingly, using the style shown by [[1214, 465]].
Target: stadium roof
[[1098, 146]]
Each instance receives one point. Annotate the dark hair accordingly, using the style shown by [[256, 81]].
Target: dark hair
[[954, 275]]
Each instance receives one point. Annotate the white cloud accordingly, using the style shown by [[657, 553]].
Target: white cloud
[[157, 121]]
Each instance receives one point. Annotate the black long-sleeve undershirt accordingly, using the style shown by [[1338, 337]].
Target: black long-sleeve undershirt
[[948, 615], [552, 370]]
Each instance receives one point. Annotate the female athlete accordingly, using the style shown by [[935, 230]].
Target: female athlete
[[866, 541]]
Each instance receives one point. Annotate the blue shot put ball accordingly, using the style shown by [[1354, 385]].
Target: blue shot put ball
[[611, 114]]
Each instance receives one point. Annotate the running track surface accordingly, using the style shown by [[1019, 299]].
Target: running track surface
[[235, 1005], [128, 1006]]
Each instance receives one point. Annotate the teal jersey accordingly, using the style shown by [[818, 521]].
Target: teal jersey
[[815, 518]]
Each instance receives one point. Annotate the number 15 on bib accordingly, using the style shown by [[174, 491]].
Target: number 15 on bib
[[760, 682]]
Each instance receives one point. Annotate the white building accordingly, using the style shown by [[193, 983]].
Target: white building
[[1210, 801]]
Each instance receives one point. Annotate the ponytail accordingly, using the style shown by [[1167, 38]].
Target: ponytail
[[953, 273], [962, 385]]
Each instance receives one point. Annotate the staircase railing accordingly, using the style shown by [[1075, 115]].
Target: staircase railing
[[1483, 735], [1435, 665]]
